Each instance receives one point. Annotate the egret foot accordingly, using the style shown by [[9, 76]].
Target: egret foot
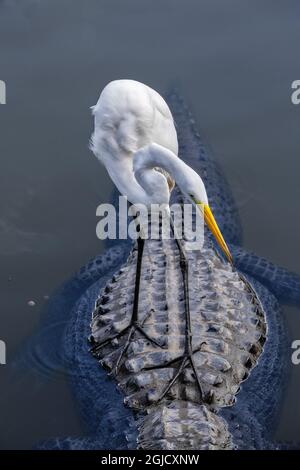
[[135, 326], [186, 360], [131, 329]]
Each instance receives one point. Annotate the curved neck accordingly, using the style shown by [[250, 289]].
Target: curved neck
[[123, 177], [154, 155], [136, 178]]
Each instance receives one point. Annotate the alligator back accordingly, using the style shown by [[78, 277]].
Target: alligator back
[[228, 329]]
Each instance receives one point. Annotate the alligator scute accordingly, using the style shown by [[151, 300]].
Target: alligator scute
[[228, 327]]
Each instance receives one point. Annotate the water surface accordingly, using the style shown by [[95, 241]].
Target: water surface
[[235, 62]]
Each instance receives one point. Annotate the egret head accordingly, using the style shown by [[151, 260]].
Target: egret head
[[193, 187]]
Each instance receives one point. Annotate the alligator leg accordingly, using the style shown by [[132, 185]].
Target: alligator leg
[[135, 324], [283, 284]]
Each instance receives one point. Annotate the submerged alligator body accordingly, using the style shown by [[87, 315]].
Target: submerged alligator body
[[228, 333], [228, 328], [237, 326]]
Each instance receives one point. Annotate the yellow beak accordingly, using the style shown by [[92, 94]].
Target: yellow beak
[[213, 227]]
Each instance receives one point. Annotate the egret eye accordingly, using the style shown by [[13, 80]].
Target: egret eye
[[196, 201], [193, 198]]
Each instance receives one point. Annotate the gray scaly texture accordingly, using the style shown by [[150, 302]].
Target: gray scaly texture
[[228, 331]]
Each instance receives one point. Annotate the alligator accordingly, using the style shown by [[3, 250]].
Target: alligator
[[239, 339]]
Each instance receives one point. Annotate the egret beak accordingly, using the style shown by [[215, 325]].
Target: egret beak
[[213, 227]]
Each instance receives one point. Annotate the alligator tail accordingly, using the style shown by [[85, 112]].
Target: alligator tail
[[183, 425]]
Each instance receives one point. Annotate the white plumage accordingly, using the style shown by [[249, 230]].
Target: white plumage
[[134, 136]]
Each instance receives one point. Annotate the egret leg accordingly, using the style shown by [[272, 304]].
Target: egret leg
[[187, 358], [135, 324]]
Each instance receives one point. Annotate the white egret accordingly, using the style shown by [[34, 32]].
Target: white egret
[[130, 118], [136, 140]]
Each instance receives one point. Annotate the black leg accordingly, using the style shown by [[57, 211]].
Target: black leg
[[187, 357], [140, 244], [135, 324]]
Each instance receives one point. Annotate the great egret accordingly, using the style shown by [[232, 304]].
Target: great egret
[[136, 140]]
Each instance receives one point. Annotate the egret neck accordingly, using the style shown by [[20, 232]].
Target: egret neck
[[189, 182]]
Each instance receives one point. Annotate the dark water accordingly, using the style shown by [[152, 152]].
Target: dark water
[[235, 61]]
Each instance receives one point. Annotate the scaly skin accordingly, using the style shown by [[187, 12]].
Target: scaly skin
[[228, 331], [245, 424]]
